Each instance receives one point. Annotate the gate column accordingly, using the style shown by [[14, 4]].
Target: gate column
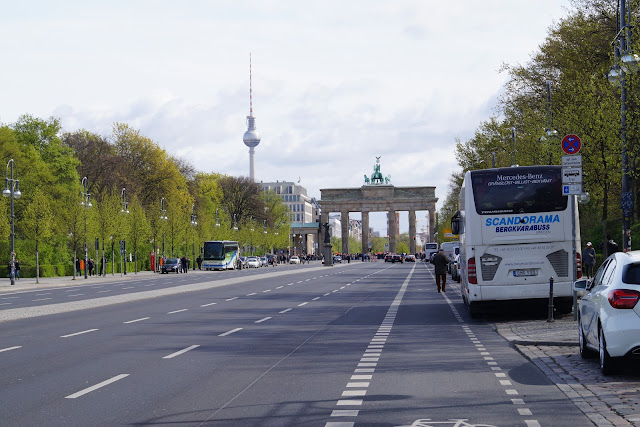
[[392, 230], [344, 219], [365, 232], [412, 231]]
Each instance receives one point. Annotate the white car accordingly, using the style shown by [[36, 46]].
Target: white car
[[254, 262], [264, 262], [609, 313], [294, 260]]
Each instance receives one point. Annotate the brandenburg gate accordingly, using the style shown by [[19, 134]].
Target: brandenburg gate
[[378, 195]]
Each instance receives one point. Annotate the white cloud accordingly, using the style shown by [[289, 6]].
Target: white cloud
[[335, 83]]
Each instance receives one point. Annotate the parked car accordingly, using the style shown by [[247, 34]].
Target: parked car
[[265, 262], [409, 258], [171, 265], [294, 260], [253, 262], [455, 269], [609, 313], [337, 259]]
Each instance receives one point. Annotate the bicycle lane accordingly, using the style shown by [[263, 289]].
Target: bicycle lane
[[439, 367]]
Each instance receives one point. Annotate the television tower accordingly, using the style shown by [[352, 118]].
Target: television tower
[[251, 137]]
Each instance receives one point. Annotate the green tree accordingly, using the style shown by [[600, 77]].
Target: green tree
[[38, 221]]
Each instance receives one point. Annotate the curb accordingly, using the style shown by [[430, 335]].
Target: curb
[[508, 334]]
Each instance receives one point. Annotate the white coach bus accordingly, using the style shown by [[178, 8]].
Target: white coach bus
[[515, 231]]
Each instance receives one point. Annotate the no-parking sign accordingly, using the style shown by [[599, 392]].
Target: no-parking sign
[[571, 144]]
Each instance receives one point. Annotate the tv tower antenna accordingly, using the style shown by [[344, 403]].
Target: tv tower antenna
[[251, 137]]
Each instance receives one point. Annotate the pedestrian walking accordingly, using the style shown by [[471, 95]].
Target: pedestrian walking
[[17, 264], [199, 262], [183, 265], [589, 259], [77, 266], [441, 262], [92, 265]]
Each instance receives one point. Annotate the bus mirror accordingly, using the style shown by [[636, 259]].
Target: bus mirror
[[455, 223]]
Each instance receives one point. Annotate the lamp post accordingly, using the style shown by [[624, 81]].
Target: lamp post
[[194, 223], [11, 189], [626, 62], [163, 215], [86, 202], [125, 210]]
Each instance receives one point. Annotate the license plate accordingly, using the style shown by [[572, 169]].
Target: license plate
[[523, 273]]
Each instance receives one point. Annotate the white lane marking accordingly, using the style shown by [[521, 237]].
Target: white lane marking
[[354, 393], [137, 320], [178, 353], [178, 311], [78, 333], [315, 299], [361, 377], [511, 391], [289, 284], [345, 413], [532, 423], [230, 332], [262, 320], [524, 411], [103, 292], [231, 299], [46, 293], [97, 386], [10, 348], [18, 297], [369, 359], [500, 374], [358, 385], [128, 287], [268, 290], [41, 299], [284, 311], [280, 287], [304, 303], [75, 295], [349, 402], [517, 401], [327, 294], [364, 370], [251, 294], [505, 382], [299, 281], [6, 303], [207, 305]]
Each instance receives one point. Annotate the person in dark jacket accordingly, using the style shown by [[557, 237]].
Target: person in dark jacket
[[589, 259], [441, 262]]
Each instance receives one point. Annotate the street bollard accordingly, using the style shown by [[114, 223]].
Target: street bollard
[[550, 316]]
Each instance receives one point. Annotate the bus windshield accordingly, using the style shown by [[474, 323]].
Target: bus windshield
[[525, 190], [214, 250]]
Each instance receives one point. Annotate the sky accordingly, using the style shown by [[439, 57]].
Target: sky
[[335, 83]]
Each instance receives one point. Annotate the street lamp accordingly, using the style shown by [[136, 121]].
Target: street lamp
[[125, 210], [163, 215], [194, 223], [626, 62], [11, 189], [86, 202]]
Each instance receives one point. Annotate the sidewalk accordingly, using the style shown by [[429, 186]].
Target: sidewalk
[[561, 332], [47, 282]]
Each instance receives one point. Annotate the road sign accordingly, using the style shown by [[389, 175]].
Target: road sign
[[572, 175], [571, 144], [573, 161], [568, 189]]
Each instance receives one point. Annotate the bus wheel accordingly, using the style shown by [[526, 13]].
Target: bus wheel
[[474, 310]]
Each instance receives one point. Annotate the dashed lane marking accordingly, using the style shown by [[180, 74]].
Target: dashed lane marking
[[178, 353], [233, 331], [10, 348], [78, 333], [97, 386], [137, 320]]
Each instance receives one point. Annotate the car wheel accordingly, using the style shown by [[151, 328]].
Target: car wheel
[[607, 363], [585, 353]]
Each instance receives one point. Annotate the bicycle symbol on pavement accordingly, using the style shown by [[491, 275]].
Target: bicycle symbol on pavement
[[457, 422]]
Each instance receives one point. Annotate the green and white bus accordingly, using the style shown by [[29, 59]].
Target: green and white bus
[[221, 255]]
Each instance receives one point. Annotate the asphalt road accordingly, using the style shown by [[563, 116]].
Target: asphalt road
[[357, 344]]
